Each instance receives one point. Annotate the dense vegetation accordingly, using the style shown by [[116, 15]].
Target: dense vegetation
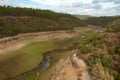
[[15, 20], [18, 11], [101, 21], [114, 26], [104, 54]]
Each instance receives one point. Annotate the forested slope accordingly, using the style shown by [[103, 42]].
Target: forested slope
[[102, 21], [15, 20]]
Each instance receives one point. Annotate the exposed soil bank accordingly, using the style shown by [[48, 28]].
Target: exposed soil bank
[[48, 33]]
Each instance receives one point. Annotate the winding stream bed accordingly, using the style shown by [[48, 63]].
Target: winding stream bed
[[42, 66]]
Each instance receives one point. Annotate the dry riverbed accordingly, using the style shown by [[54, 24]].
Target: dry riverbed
[[24, 39]]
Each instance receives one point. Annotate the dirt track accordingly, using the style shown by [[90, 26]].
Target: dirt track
[[11, 43]]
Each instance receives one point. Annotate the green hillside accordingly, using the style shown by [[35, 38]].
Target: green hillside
[[102, 21], [15, 20], [114, 26]]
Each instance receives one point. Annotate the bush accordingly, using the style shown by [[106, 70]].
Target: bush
[[116, 75], [100, 73], [118, 49], [114, 26], [114, 50], [107, 61], [84, 48]]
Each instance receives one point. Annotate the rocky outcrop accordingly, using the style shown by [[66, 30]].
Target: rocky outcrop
[[8, 39], [71, 68]]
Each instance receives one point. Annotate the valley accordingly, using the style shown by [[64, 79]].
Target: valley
[[40, 44]]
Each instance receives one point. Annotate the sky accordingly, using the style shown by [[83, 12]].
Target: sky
[[81, 7]]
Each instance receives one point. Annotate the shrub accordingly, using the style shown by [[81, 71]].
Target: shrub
[[100, 73], [107, 61], [116, 75], [84, 48], [114, 26], [114, 50], [118, 49]]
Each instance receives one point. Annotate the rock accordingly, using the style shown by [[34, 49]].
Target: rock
[[71, 68]]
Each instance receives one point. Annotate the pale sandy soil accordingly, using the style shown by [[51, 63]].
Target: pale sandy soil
[[71, 68]]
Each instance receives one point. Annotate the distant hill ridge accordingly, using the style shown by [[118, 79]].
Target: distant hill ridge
[[82, 16], [101, 21]]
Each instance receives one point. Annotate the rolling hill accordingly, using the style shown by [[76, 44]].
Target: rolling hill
[[82, 16], [15, 20]]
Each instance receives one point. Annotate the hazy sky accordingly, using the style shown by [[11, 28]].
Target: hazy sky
[[83, 7]]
